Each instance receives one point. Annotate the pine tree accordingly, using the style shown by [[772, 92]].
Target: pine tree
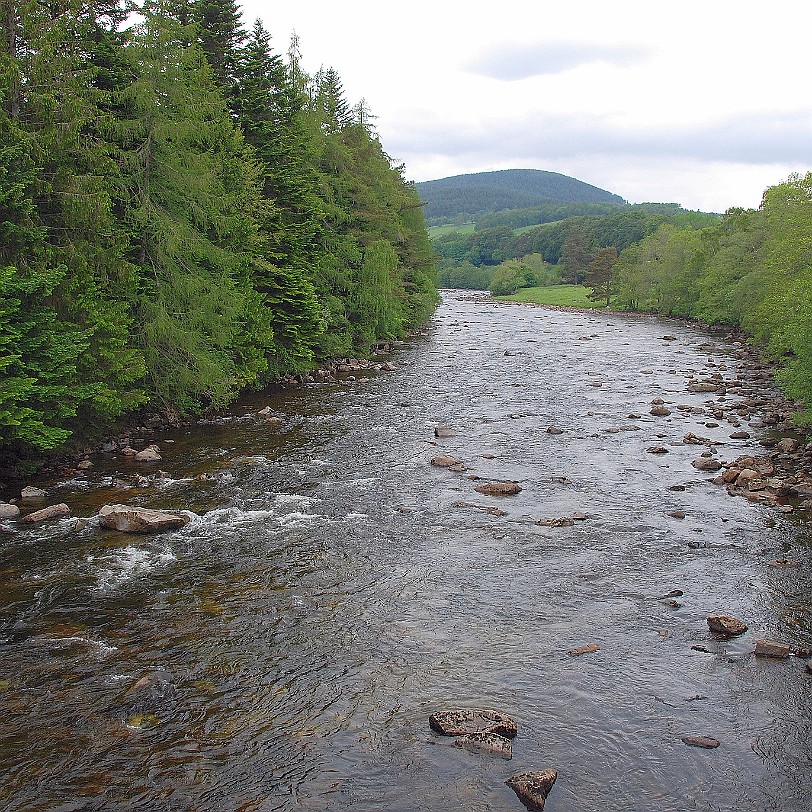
[[222, 37], [192, 197]]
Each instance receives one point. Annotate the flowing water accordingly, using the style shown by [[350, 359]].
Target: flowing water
[[334, 589]]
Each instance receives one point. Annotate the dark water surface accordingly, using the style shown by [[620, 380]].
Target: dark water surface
[[334, 589]]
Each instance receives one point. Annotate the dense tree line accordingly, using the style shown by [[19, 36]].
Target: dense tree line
[[570, 243], [752, 269], [183, 214]]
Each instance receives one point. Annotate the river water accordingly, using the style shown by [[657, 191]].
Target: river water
[[334, 589]]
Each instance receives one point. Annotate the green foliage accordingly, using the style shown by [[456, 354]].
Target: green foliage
[[183, 215], [527, 272], [549, 213], [466, 276], [191, 203], [600, 275]]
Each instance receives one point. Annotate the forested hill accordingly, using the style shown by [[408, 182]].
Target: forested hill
[[488, 192]]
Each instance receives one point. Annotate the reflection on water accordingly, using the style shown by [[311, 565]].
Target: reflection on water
[[285, 649]]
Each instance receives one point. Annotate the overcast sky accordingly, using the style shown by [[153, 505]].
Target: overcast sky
[[699, 102]]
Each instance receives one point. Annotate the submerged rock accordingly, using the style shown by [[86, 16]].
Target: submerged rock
[[130, 519], [587, 649], [491, 743], [532, 788], [706, 742], [561, 521], [466, 722]]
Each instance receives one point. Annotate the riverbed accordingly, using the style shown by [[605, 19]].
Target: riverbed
[[285, 649]]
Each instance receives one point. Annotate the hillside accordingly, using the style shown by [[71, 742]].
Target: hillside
[[472, 196]]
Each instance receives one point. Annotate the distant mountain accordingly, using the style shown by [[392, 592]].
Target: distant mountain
[[488, 192]]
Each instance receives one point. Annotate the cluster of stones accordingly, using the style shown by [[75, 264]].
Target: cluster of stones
[[727, 626], [342, 368], [452, 463], [785, 474], [492, 732], [124, 518]]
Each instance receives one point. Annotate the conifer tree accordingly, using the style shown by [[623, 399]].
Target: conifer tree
[[270, 112], [192, 193], [222, 36], [82, 278]]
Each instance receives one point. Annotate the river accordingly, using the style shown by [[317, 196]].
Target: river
[[334, 589]]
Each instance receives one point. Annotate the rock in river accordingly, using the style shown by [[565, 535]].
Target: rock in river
[[445, 461], [150, 454], [706, 464], [706, 742], [532, 788], [8, 511], [499, 488], [491, 743], [130, 519], [727, 625], [466, 722], [772, 648], [48, 513]]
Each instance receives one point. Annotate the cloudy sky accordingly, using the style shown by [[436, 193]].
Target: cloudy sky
[[699, 102]]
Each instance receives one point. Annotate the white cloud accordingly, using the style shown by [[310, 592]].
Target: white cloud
[[702, 103], [513, 62]]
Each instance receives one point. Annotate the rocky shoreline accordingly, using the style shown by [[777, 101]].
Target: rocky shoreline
[[134, 437], [780, 473]]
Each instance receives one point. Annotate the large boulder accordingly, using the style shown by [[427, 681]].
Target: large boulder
[[128, 519]]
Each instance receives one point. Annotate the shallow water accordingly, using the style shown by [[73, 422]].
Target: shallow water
[[334, 589]]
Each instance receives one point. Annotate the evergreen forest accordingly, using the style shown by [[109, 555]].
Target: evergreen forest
[[184, 213]]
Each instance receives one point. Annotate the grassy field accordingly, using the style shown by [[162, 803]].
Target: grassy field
[[557, 295], [440, 231]]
